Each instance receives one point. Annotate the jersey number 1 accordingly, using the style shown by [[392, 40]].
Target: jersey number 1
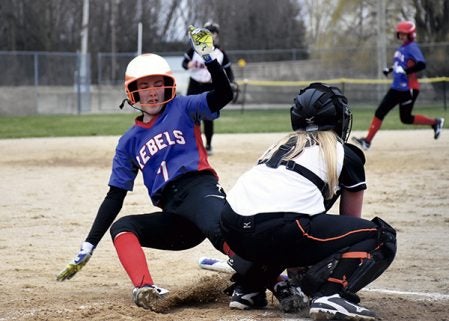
[[163, 169]]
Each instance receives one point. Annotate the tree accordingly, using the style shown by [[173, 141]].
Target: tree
[[432, 23]]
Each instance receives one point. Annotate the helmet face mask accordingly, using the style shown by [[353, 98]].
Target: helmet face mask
[[321, 107], [147, 66]]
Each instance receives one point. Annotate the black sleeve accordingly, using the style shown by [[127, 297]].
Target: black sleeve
[[227, 67], [222, 93], [187, 57], [108, 211], [420, 65], [352, 177]]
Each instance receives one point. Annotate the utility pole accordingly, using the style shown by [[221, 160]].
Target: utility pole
[[84, 79], [381, 43], [139, 38], [139, 10]]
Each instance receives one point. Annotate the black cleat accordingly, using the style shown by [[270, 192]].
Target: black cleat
[[334, 307], [438, 127], [362, 142]]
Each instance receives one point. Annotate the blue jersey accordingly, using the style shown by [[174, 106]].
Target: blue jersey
[[168, 146], [406, 56]]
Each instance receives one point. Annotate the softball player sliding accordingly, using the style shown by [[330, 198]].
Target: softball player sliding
[[407, 61], [275, 216], [165, 145]]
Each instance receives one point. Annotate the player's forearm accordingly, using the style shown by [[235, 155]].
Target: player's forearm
[[222, 93], [108, 211], [420, 65]]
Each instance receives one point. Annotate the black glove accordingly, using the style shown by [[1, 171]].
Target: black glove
[[386, 71]]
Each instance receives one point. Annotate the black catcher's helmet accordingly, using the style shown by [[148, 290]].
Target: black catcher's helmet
[[321, 107], [212, 27]]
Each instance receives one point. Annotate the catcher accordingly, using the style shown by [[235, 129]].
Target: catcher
[[276, 215]]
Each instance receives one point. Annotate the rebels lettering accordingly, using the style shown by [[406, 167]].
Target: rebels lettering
[[157, 143]]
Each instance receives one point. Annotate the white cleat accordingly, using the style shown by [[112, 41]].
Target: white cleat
[[146, 296]]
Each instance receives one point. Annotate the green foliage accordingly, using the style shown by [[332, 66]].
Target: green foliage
[[231, 121]]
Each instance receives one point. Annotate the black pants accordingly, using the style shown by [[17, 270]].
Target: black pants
[[405, 100], [191, 213], [283, 240]]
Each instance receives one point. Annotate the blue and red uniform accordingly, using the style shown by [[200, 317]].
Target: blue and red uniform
[[164, 149], [404, 90], [169, 152], [406, 56]]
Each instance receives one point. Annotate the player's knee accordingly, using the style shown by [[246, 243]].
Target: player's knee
[[379, 115], [407, 119], [124, 224]]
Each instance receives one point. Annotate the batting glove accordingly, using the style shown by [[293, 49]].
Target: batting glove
[[386, 71], [202, 42], [78, 262]]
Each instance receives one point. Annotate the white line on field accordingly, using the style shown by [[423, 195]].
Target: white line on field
[[433, 296]]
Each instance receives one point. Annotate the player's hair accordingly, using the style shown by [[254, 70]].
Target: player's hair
[[325, 140]]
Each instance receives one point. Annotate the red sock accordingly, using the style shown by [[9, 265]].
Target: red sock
[[423, 120], [373, 128], [133, 259]]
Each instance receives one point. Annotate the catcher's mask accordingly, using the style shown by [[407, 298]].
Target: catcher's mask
[[212, 27], [321, 107]]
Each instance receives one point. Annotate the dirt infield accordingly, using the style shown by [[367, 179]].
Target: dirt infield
[[51, 190]]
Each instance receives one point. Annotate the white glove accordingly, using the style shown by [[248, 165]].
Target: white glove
[[77, 263], [399, 70], [202, 41]]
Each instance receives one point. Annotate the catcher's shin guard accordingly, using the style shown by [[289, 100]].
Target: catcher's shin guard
[[318, 274], [372, 265], [379, 260]]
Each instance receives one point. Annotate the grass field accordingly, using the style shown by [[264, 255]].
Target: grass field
[[231, 121]]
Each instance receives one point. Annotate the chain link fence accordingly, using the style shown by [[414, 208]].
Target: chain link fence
[[53, 83]]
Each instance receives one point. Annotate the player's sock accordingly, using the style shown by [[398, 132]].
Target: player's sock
[[423, 120], [373, 128], [133, 259]]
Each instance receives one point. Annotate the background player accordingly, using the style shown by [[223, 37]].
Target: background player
[[165, 145], [404, 90], [200, 79], [275, 214]]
